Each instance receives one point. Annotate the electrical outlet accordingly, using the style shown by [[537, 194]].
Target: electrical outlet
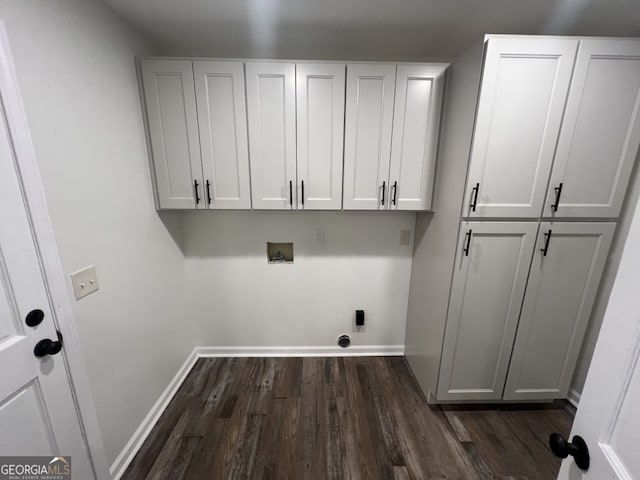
[[84, 282], [318, 238], [405, 237]]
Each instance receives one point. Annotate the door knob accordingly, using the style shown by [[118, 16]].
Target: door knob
[[577, 449], [48, 347], [34, 318]]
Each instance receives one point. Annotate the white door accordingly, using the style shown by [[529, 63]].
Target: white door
[[37, 412], [173, 130], [522, 97], [488, 286], [222, 122], [367, 141], [320, 91], [600, 132], [563, 282], [271, 107], [608, 417], [416, 124]]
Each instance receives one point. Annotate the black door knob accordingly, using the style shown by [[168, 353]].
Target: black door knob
[[577, 449], [48, 347], [34, 318]]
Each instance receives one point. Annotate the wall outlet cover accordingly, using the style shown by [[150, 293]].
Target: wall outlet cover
[[318, 238], [84, 282], [405, 237]]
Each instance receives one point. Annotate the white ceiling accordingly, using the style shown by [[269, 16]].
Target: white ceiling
[[363, 29]]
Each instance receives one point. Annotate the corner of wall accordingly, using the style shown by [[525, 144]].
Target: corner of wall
[[88, 134], [606, 283], [436, 234]]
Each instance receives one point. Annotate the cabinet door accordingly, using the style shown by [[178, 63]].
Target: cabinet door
[[416, 123], [557, 306], [367, 142], [271, 107], [486, 296], [173, 130], [522, 97], [222, 122], [320, 92], [600, 132]]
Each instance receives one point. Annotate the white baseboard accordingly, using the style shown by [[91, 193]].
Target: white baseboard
[[142, 432], [353, 351], [573, 397]]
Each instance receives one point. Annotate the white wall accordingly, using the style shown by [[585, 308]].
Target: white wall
[[606, 284], [244, 301], [74, 60], [437, 233]]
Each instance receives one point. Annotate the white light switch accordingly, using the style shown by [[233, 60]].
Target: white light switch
[[84, 282], [318, 238]]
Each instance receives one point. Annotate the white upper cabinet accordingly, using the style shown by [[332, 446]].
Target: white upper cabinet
[[320, 92], [416, 122], [368, 127], [522, 97], [222, 122], [489, 280], [600, 133], [173, 130], [285, 136], [564, 278], [271, 107], [197, 125]]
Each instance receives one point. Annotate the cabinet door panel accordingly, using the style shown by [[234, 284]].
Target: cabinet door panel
[[320, 91], [368, 123], [222, 123], [486, 295], [271, 106], [522, 97], [557, 306], [416, 123], [173, 130], [600, 132]]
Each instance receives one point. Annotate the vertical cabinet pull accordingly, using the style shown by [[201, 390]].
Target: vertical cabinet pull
[[558, 191], [474, 197], [384, 187], [195, 188], [208, 192], [467, 243], [290, 193], [395, 189], [302, 181], [547, 237]]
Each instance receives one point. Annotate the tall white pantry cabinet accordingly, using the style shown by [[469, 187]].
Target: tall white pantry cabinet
[[553, 144]]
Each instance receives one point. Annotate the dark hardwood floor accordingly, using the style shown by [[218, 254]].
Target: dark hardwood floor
[[329, 418]]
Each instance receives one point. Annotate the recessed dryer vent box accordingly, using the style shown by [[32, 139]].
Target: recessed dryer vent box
[[280, 252]]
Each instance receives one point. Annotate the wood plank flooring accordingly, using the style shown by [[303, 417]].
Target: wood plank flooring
[[338, 418]]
